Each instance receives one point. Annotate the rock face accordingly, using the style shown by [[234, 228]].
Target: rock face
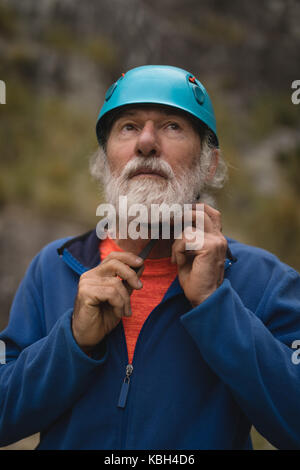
[[245, 44]]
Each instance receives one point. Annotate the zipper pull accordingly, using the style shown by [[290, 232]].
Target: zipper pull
[[125, 387]]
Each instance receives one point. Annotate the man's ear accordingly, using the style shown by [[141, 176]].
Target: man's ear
[[213, 164]]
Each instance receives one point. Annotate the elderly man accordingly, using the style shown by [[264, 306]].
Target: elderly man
[[182, 350]]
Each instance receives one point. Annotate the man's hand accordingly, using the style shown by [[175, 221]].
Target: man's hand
[[103, 299], [201, 272]]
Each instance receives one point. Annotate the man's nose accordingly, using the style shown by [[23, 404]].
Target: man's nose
[[147, 144]]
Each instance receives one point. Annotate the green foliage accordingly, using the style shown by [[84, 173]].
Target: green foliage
[[44, 140], [270, 222], [270, 110], [212, 29], [98, 48], [8, 22], [44, 146], [276, 227], [101, 51], [289, 163], [60, 37], [20, 61]]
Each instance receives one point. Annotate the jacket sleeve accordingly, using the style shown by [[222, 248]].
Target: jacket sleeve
[[43, 375], [251, 353]]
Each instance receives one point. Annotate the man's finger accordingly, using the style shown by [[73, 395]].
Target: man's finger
[[121, 289], [125, 256], [215, 216], [205, 218], [116, 267], [138, 273]]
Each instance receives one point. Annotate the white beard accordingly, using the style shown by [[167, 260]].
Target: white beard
[[153, 190]]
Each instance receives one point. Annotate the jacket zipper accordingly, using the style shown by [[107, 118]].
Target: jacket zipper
[[125, 387], [123, 397]]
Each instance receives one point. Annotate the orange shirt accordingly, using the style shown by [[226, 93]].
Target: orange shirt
[[156, 278]]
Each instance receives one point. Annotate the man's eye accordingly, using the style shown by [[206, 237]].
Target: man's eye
[[128, 127], [174, 126]]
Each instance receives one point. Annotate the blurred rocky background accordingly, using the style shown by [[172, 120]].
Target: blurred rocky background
[[58, 57]]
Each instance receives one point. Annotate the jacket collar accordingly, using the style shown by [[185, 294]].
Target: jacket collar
[[82, 253]]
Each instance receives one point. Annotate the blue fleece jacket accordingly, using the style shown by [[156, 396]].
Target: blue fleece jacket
[[201, 376]]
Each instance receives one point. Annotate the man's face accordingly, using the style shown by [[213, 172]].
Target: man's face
[[152, 132], [153, 157]]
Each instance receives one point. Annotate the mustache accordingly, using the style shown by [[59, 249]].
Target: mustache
[[149, 164]]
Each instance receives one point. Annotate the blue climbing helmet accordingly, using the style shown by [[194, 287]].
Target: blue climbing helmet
[[158, 84]]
